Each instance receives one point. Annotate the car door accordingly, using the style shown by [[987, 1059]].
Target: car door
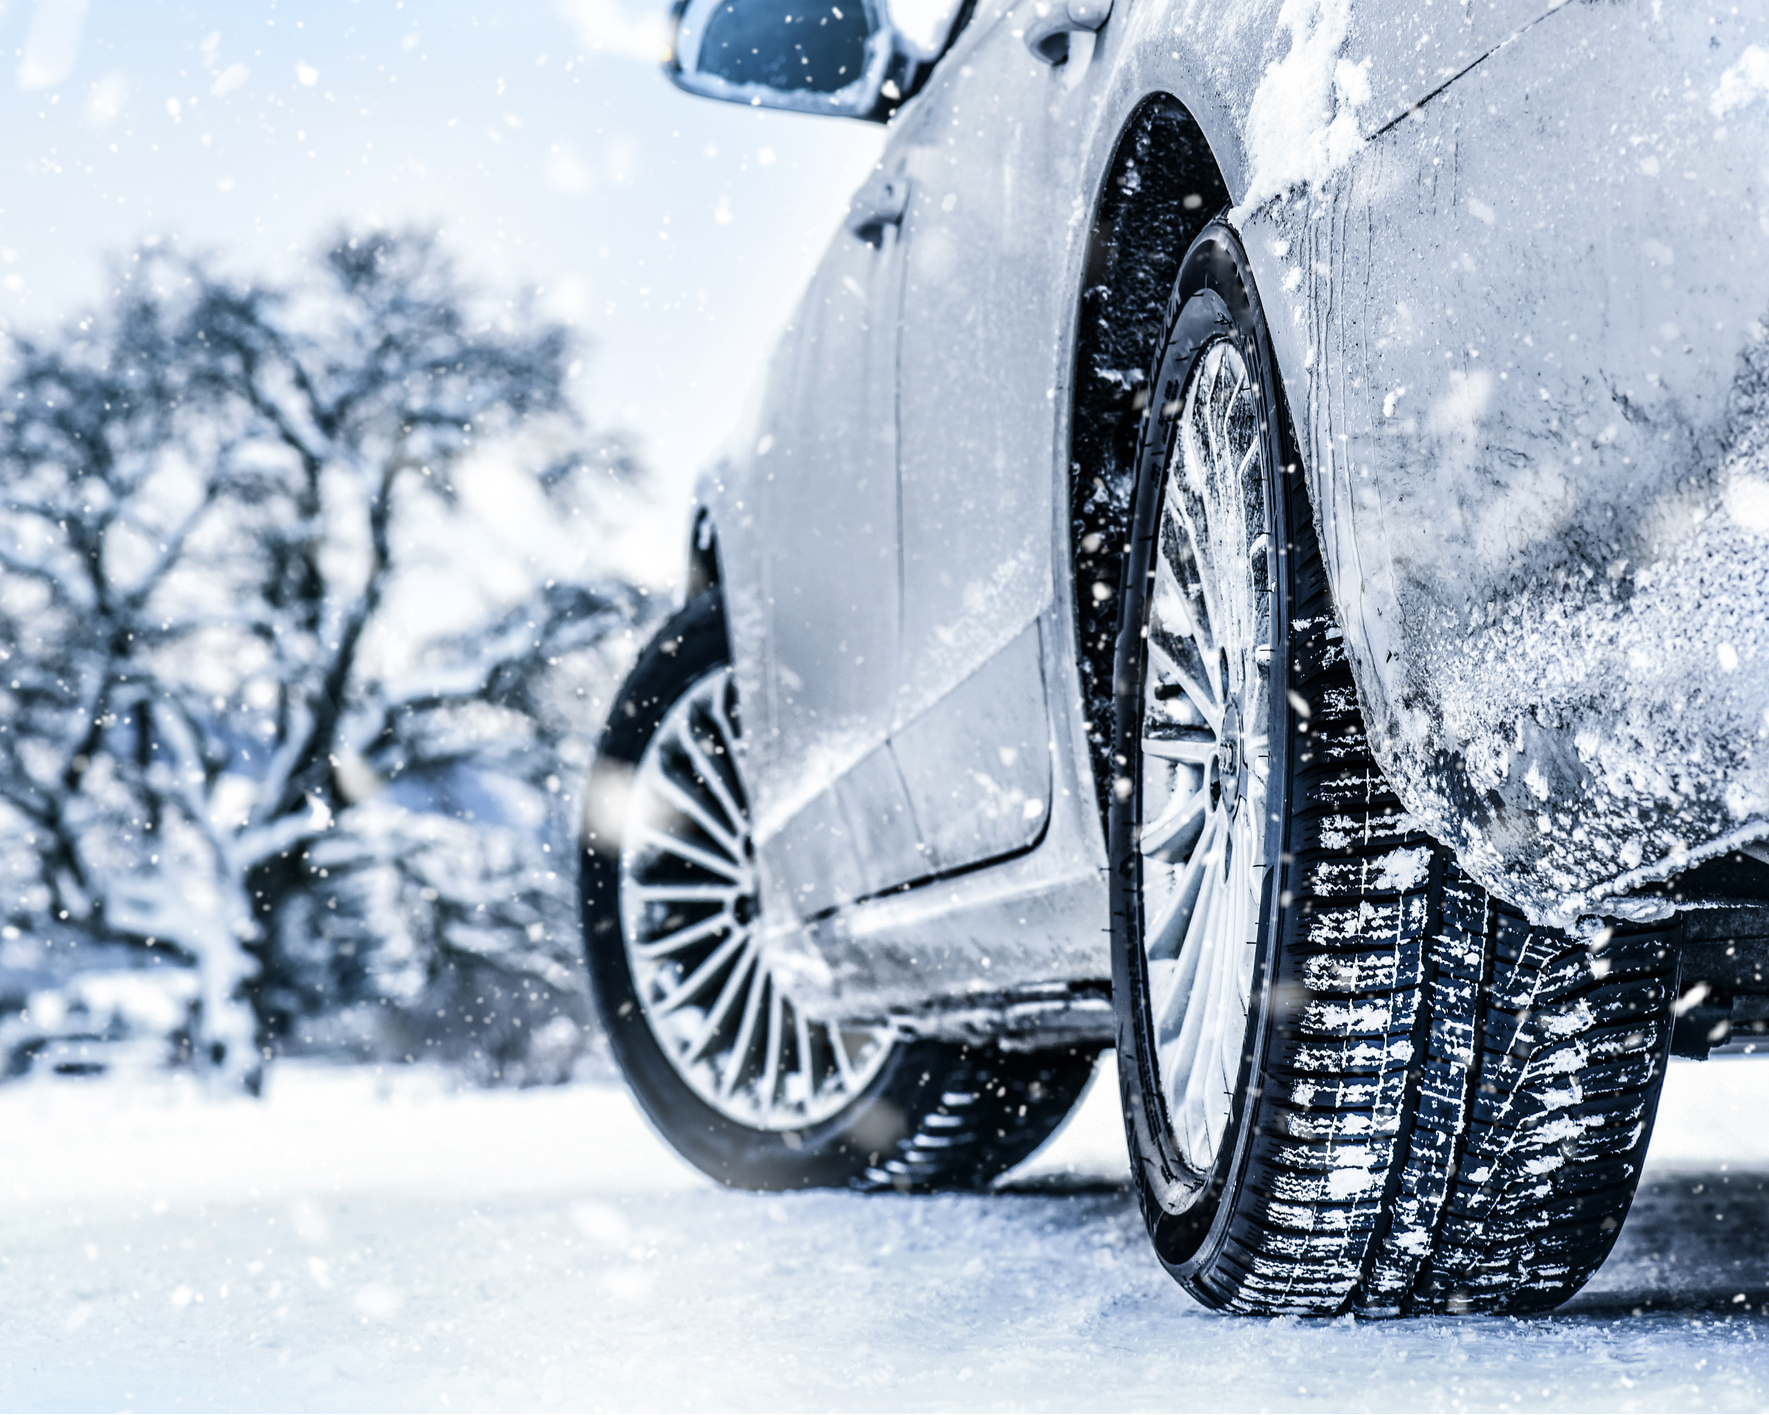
[[816, 640], [993, 194]]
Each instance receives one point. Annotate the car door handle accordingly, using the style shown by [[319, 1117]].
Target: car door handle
[[1048, 35], [881, 202]]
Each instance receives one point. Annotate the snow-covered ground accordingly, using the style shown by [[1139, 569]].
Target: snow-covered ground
[[364, 1240]]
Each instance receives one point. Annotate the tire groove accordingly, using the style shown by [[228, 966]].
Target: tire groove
[[1434, 922]]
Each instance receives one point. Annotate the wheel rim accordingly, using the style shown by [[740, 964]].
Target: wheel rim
[[689, 901], [1205, 751]]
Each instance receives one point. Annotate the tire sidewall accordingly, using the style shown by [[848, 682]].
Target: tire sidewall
[[1214, 298]]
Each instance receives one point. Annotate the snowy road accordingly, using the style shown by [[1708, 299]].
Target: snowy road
[[357, 1242]]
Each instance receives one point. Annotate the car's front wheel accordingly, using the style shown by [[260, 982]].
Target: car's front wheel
[[742, 1079], [1352, 1080]]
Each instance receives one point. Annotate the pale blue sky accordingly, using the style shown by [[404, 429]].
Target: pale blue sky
[[541, 137]]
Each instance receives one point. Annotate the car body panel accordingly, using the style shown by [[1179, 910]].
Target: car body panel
[[1011, 929], [978, 769], [1539, 455], [975, 397], [813, 611]]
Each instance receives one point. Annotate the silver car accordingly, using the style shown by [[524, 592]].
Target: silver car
[[1251, 551]]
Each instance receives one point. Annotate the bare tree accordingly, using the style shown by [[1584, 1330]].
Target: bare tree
[[207, 496]]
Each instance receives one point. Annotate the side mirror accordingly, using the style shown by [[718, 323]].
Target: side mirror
[[842, 57]]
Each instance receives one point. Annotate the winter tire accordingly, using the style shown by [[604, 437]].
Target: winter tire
[[1353, 1081], [738, 1079]]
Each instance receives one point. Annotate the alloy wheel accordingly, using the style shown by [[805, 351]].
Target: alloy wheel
[[1205, 751], [689, 906]]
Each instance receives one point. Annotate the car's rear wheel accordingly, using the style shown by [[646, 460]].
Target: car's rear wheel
[[1352, 1080], [741, 1079]]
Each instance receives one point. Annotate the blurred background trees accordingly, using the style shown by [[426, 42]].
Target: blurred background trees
[[302, 644]]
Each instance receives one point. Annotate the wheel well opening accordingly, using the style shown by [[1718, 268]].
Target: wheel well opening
[[703, 553], [1164, 184]]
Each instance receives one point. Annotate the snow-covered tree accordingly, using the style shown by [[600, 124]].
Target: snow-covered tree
[[208, 495]]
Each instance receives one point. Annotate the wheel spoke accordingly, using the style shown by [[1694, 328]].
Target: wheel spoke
[[1165, 669], [1211, 624], [1227, 990], [684, 801], [1167, 932], [1209, 884], [746, 1030], [838, 1043], [683, 893], [803, 1038], [713, 777], [727, 733], [1207, 1088], [721, 1008], [1200, 942], [674, 845], [775, 1038], [1194, 943], [1174, 610], [1171, 836], [1248, 458], [675, 941], [695, 983], [1198, 750]]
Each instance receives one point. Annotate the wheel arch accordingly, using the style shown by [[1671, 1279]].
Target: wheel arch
[[1163, 184], [703, 552]]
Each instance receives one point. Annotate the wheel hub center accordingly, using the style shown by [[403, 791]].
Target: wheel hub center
[[1230, 754]]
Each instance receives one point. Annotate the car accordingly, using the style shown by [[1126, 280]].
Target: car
[[1251, 552]]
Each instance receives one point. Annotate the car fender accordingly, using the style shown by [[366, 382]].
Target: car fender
[[1522, 336]]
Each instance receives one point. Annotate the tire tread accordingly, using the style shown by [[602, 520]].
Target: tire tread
[[1446, 1107]]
